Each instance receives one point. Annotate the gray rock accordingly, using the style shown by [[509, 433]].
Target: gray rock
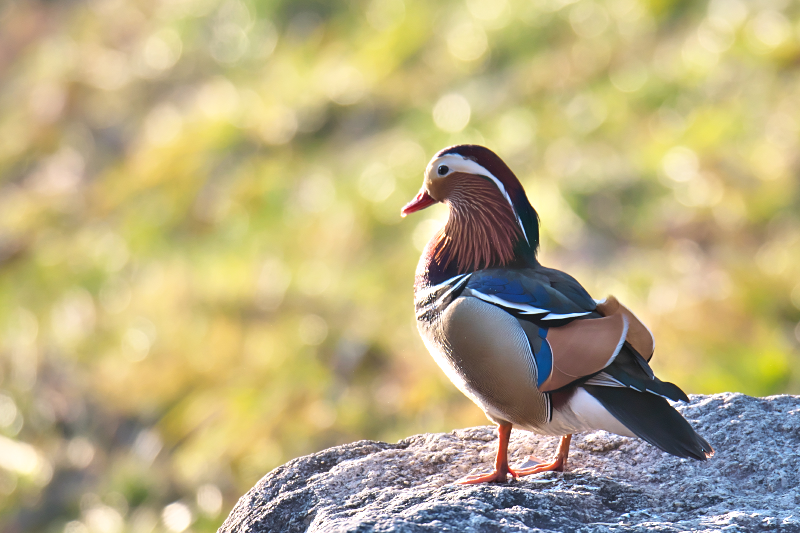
[[612, 483]]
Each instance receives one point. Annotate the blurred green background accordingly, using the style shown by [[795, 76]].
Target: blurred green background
[[203, 271]]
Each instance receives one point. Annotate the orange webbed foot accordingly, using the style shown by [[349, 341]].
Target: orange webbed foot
[[501, 468], [558, 464], [498, 476]]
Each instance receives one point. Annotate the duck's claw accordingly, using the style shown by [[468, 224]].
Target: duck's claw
[[534, 465], [530, 462], [501, 468], [498, 476], [556, 465]]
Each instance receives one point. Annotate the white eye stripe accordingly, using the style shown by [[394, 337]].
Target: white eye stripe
[[458, 163]]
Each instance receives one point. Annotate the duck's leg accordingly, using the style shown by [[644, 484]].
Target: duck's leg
[[501, 468], [558, 464]]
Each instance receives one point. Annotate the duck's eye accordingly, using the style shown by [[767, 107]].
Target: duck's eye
[[442, 170]]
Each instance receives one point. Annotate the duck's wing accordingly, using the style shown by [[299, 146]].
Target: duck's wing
[[598, 345], [572, 336], [535, 294]]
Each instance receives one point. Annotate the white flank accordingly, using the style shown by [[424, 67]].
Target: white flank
[[593, 415]]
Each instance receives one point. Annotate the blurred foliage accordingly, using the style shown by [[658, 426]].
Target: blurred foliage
[[203, 272]]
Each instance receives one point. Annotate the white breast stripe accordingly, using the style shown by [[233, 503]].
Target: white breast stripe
[[554, 316], [430, 290], [524, 308], [458, 284], [549, 407]]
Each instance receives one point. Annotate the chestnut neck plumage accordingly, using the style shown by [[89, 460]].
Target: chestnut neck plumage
[[481, 232]]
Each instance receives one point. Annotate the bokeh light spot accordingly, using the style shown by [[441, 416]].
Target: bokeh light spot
[[487, 9], [630, 78], [452, 113], [218, 99], [680, 164], [376, 183], [80, 452], [279, 125], [467, 41], [770, 28], [162, 50], [313, 329], [104, 519], [209, 500], [316, 193], [162, 125], [177, 517], [273, 280], [588, 19], [345, 85], [795, 296], [75, 526], [385, 14], [424, 231], [734, 12], [8, 411]]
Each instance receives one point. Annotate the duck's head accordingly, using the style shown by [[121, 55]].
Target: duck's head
[[484, 196]]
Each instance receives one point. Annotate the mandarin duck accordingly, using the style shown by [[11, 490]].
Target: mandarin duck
[[525, 342]]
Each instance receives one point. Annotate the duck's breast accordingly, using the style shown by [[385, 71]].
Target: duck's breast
[[486, 354]]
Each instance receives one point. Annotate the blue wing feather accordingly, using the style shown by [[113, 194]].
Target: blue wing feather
[[517, 298], [534, 293], [544, 359]]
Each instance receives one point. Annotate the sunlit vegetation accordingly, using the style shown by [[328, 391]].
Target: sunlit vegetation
[[203, 271]]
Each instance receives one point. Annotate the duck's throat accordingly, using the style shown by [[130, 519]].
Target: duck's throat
[[481, 231]]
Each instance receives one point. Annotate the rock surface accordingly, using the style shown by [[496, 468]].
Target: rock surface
[[612, 483]]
